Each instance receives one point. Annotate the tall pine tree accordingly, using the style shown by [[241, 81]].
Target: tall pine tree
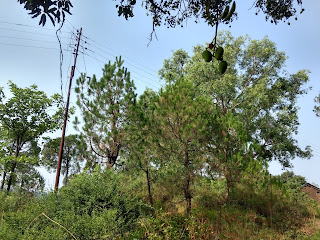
[[105, 105]]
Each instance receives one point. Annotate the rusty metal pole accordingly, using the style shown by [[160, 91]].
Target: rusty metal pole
[[66, 115]]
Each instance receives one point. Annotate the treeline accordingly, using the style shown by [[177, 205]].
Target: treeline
[[189, 161]]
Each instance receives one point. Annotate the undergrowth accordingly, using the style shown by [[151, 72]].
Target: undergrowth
[[107, 205]]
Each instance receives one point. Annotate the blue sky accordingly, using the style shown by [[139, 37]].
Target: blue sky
[[30, 54]]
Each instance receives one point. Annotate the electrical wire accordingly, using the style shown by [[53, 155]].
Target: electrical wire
[[22, 31], [152, 70], [148, 83], [25, 25], [84, 62], [95, 45], [30, 46], [67, 21], [132, 71], [125, 64], [82, 46], [30, 39], [315, 148]]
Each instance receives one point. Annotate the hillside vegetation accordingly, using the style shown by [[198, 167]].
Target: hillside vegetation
[[189, 161]]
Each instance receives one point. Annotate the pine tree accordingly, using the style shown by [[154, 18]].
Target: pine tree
[[105, 105]]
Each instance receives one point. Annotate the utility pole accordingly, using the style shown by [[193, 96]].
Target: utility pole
[[66, 113]]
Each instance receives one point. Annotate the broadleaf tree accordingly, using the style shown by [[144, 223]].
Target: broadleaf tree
[[55, 10], [255, 107], [5, 151], [171, 13], [256, 89], [24, 118], [317, 106]]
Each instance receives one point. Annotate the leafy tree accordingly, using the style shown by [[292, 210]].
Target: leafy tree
[[24, 118], [4, 153], [168, 12], [173, 13], [55, 10], [105, 105], [72, 156], [174, 68], [257, 90], [317, 107], [254, 102], [291, 180], [26, 177]]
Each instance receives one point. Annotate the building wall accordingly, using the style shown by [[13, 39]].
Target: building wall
[[314, 193]]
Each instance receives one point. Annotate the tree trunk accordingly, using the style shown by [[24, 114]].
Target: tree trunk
[[14, 165], [186, 185], [3, 179], [187, 196], [226, 194], [67, 171], [111, 161], [221, 203], [149, 187]]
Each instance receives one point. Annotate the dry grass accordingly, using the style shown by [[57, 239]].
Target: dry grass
[[311, 227]]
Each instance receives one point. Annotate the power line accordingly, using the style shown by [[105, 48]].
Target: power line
[[84, 62], [73, 34], [125, 64], [70, 43], [67, 21], [98, 60], [315, 148], [67, 45], [72, 31], [30, 39], [15, 30], [132, 71], [58, 35], [30, 46], [148, 83], [116, 53], [25, 25]]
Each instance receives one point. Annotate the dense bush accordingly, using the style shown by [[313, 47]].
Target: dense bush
[[284, 207], [91, 206], [105, 205]]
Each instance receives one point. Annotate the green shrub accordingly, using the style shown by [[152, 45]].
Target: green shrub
[[91, 206]]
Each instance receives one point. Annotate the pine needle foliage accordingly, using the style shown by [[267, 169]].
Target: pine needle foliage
[[105, 105]]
